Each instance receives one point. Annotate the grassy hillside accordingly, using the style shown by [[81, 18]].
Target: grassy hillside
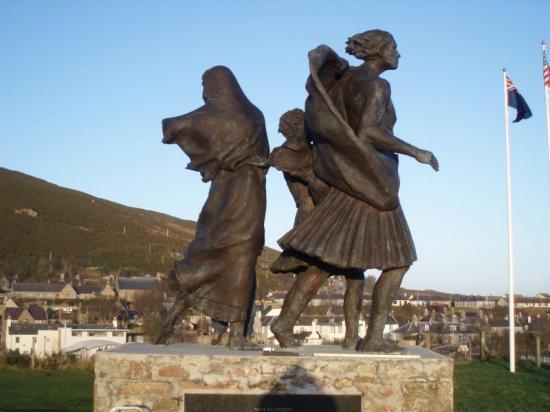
[[74, 230]]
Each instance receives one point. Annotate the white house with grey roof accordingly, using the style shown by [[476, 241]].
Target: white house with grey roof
[[48, 339]]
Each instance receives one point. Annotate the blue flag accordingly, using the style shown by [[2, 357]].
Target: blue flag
[[516, 100]]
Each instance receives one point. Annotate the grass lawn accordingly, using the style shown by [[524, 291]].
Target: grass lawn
[[489, 386], [477, 387], [42, 390]]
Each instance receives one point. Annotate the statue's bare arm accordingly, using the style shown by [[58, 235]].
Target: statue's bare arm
[[378, 95]]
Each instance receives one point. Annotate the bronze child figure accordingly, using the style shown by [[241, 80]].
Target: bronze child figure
[[226, 142], [295, 159], [359, 223]]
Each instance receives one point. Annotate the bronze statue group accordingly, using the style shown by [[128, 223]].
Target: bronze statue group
[[341, 166]]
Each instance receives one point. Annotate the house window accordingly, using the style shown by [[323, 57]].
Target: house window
[[453, 328], [76, 333], [34, 339], [426, 327], [118, 333], [17, 339]]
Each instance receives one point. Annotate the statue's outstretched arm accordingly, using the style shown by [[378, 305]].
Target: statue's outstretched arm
[[377, 98]]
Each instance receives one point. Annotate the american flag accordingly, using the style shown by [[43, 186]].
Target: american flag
[[546, 71]]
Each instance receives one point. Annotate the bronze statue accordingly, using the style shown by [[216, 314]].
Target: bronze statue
[[294, 158], [358, 224], [226, 142]]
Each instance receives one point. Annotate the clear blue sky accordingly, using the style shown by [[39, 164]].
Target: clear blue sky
[[84, 86]]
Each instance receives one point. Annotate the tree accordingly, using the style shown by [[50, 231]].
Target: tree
[[404, 313], [150, 304]]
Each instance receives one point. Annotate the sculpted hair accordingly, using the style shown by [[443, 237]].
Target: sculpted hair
[[367, 44], [294, 119]]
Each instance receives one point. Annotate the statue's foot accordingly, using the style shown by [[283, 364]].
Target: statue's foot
[[285, 338], [242, 344], [351, 342], [379, 346]]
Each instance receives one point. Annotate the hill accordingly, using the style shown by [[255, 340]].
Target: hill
[[47, 229]]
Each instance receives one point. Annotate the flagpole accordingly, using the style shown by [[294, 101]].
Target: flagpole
[[546, 98], [510, 237]]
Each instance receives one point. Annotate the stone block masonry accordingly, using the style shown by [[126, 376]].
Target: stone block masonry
[[159, 377]]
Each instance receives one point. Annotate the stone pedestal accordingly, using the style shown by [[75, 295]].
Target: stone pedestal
[[166, 378]]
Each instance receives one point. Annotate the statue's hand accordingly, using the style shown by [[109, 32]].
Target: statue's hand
[[427, 157]]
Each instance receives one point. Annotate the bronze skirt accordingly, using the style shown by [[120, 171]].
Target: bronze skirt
[[347, 233]]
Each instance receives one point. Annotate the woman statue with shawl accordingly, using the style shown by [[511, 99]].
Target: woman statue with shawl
[[358, 224], [226, 142]]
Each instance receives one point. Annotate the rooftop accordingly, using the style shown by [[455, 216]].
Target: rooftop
[[38, 287], [140, 283]]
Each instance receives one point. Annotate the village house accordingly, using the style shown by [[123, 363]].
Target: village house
[[8, 302], [439, 300], [128, 289], [401, 299], [421, 299], [94, 292], [475, 301], [316, 330], [48, 339], [502, 326], [320, 299], [538, 301], [59, 291], [33, 314], [445, 328], [47, 291], [326, 299]]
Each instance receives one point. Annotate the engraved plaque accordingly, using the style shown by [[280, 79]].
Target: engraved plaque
[[210, 402]]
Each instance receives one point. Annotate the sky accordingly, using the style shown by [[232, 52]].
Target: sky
[[84, 87]]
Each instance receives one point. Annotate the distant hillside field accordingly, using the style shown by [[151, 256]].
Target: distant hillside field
[[46, 229]]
